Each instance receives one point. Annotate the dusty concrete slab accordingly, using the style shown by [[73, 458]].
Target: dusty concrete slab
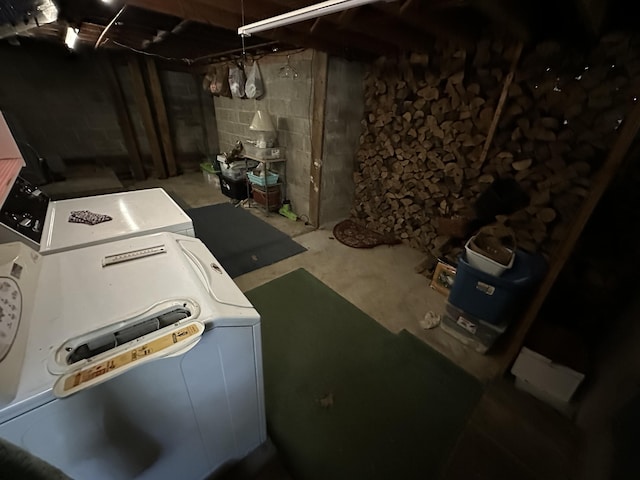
[[382, 283]]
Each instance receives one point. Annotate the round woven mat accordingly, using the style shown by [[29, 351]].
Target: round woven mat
[[353, 235]]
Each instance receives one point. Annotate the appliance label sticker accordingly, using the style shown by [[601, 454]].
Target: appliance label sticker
[[467, 325], [485, 288], [130, 356]]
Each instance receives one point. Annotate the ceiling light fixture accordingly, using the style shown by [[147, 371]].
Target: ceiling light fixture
[[302, 14], [71, 37]]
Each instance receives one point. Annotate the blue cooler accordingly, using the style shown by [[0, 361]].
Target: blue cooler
[[493, 299]]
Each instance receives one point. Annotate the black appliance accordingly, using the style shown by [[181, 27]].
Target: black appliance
[[23, 213]]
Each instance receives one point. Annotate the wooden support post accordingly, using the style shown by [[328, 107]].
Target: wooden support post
[[319, 69], [602, 180], [161, 116], [140, 94], [503, 98], [124, 120]]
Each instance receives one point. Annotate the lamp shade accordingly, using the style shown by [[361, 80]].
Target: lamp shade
[[262, 122]]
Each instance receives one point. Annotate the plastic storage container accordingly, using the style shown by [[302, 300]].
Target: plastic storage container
[[496, 299], [210, 174], [258, 179], [486, 264], [269, 153], [236, 170], [469, 330], [259, 194], [235, 189]]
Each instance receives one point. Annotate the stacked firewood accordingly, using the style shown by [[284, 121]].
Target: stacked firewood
[[427, 119], [561, 118]]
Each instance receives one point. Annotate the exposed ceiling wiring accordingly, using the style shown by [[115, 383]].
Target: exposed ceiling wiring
[[109, 25], [244, 53], [188, 61], [258, 56], [236, 50], [191, 61]]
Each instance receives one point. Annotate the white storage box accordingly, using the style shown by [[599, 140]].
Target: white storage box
[[269, 153], [555, 382], [565, 408], [484, 264]]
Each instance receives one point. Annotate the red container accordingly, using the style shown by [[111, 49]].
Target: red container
[[260, 196]]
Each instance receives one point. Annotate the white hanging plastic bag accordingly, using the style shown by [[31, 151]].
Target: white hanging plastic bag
[[255, 87], [237, 81]]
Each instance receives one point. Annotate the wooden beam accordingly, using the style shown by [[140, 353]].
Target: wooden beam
[[506, 14], [372, 22], [226, 14], [454, 26], [501, 101], [124, 120], [319, 67], [347, 16], [406, 5], [593, 13], [600, 183], [328, 42], [161, 116], [142, 101], [324, 31], [374, 45]]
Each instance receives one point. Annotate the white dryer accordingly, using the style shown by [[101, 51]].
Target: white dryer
[[140, 359]]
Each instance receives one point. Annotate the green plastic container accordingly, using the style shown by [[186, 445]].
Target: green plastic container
[[210, 174]]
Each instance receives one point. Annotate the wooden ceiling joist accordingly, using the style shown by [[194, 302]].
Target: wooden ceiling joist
[[434, 23], [225, 14]]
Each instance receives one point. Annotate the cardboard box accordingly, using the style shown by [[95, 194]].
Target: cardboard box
[[551, 382]]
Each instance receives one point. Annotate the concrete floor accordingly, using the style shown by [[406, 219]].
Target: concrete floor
[[510, 435], [380, 281]]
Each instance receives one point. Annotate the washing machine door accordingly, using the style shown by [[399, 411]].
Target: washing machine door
[[19, 270]]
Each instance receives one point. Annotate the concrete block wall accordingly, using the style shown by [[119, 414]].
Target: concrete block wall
[[63, 105], [192, 121], [288, 101], [344, 110], [59, 100]]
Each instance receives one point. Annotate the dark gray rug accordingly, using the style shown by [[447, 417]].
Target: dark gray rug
[[239, 240]]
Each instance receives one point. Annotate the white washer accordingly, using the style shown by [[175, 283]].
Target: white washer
[[143, 360]]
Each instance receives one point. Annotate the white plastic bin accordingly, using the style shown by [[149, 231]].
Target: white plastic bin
[[485, 264]]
